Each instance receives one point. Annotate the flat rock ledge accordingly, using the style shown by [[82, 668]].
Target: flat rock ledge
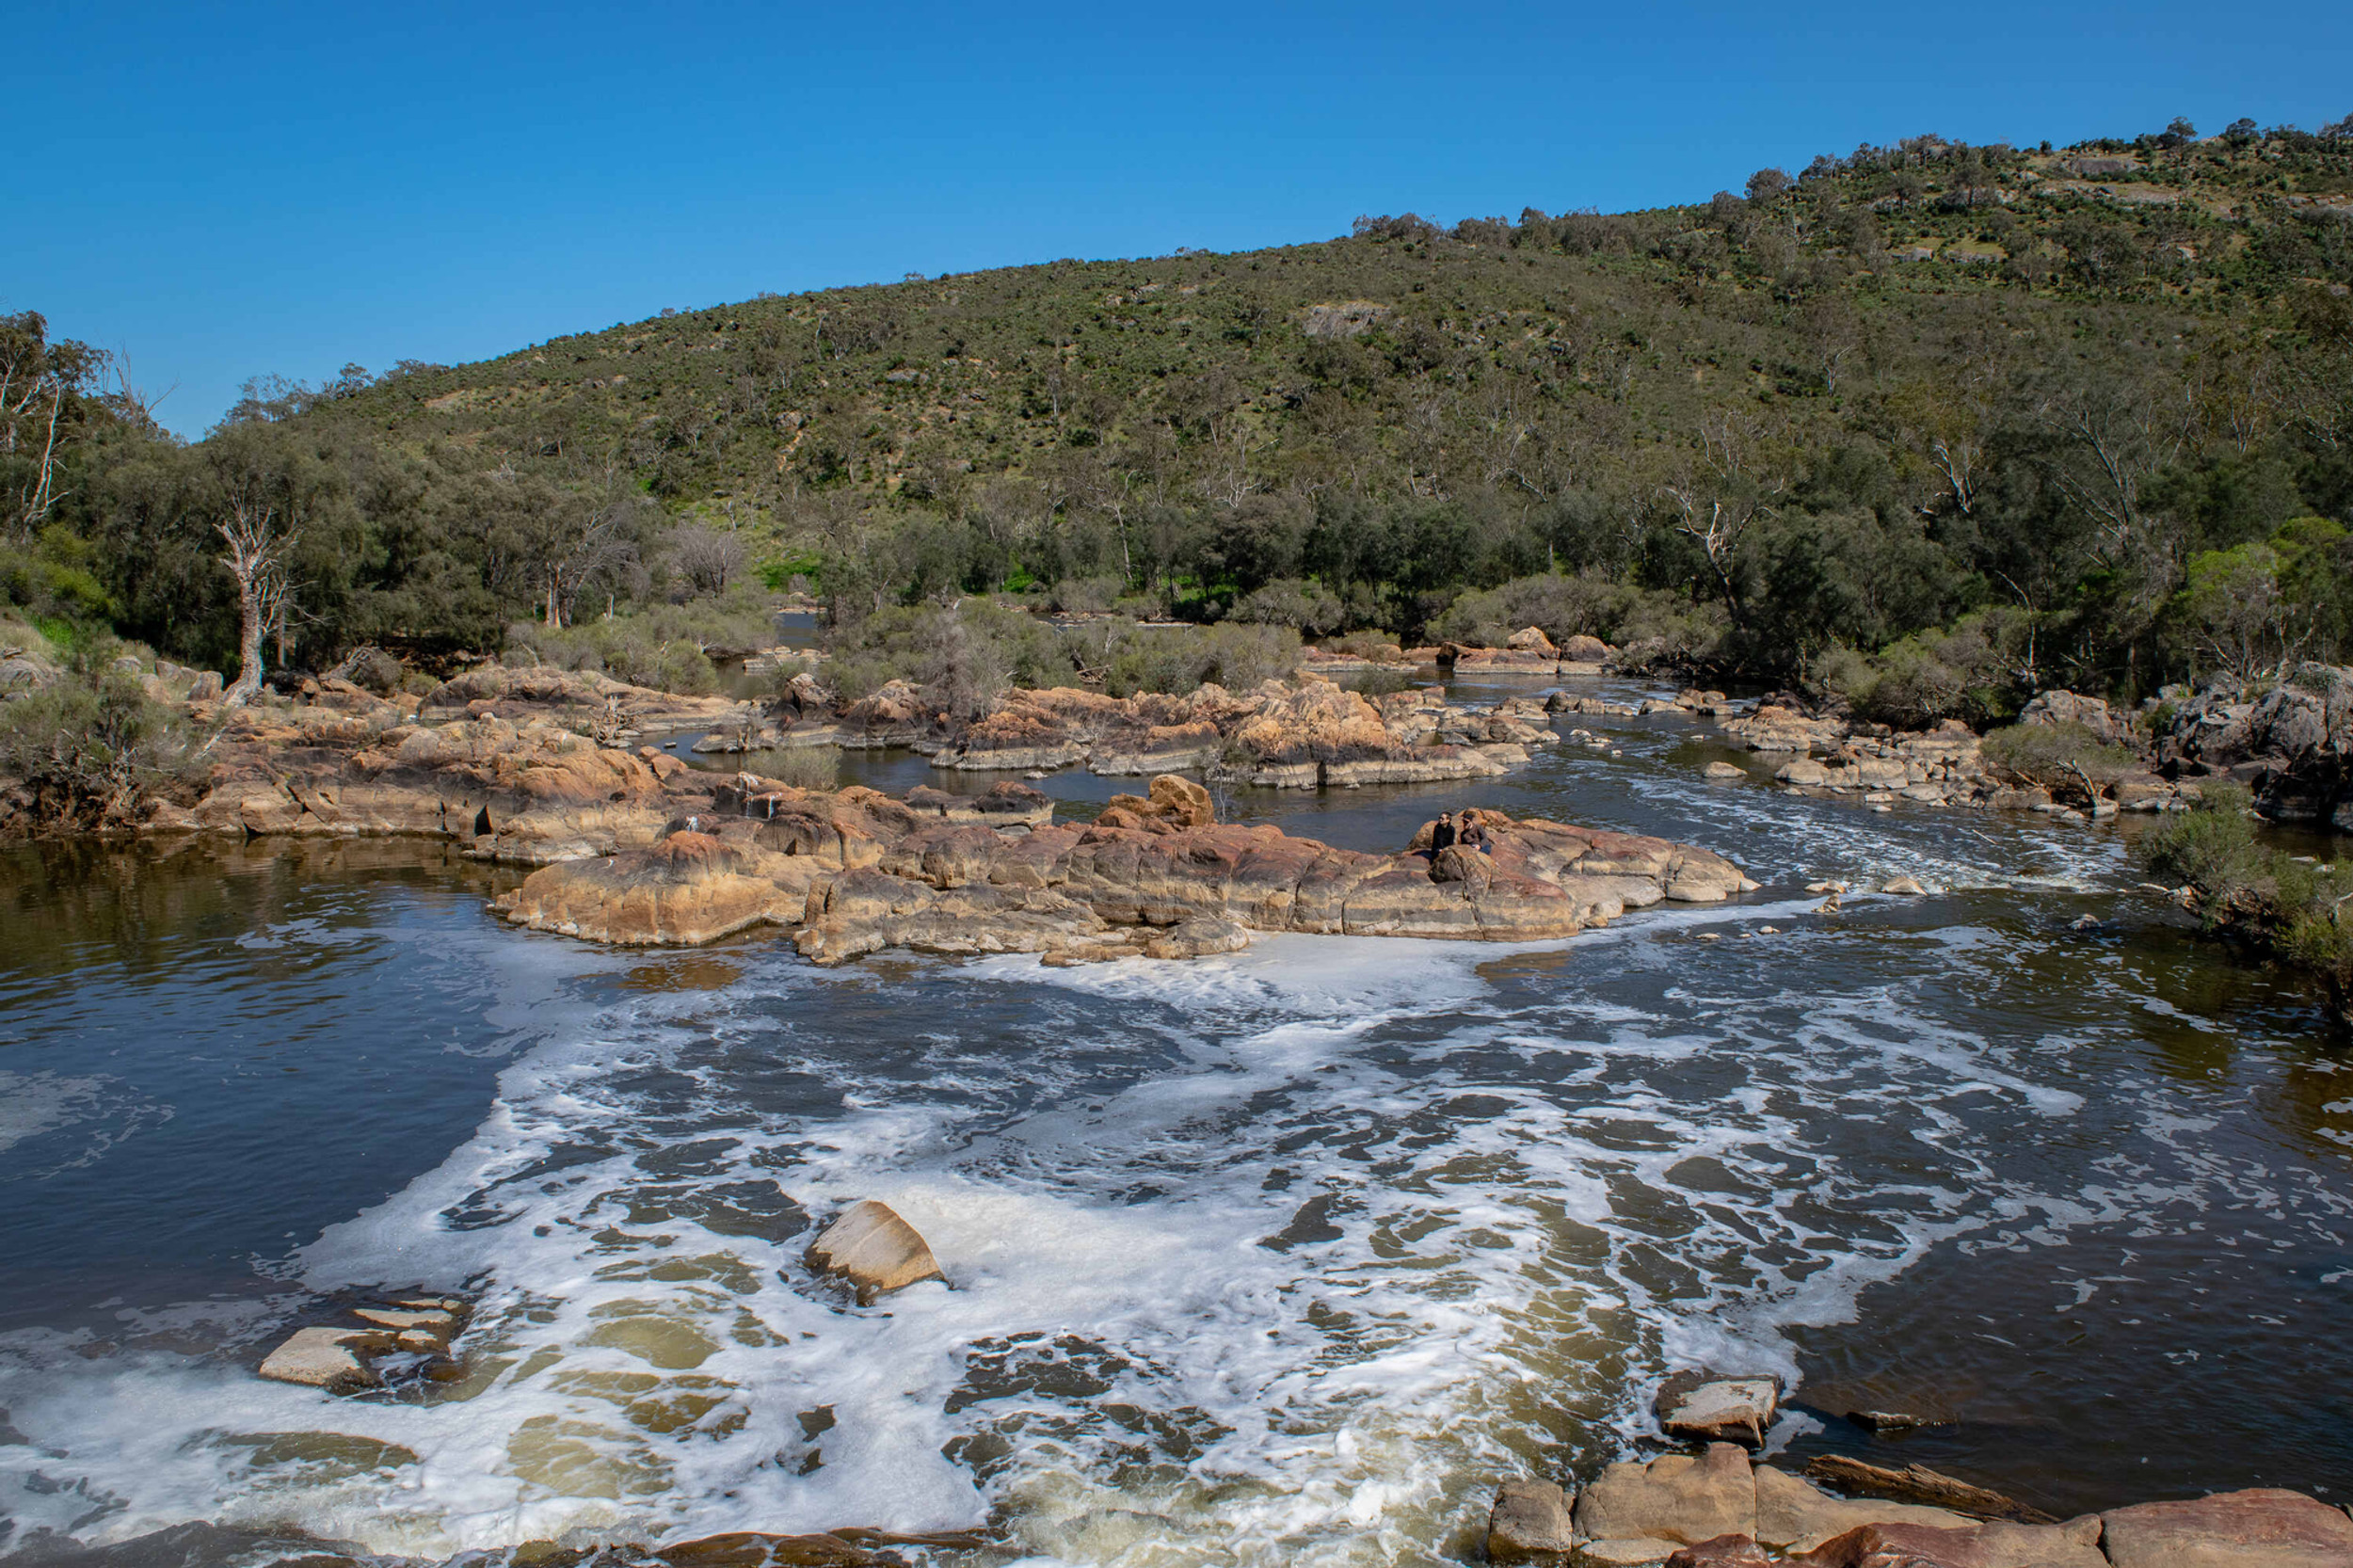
[[402, 1335], [853, 871], [1717, 1508]]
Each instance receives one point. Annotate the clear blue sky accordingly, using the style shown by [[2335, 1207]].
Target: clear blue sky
[[224, 191]]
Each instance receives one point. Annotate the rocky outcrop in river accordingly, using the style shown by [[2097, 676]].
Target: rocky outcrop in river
[[855, 871], [1300, 734]]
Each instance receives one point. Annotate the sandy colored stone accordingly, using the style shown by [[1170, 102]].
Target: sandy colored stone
[[1724, 1551], [1792, 1513], [1721, 1410], [1530, 1522], [2259, 1527], [1634, 1552], [1678, 1497], [1976, 1546], [688, 889], [874, 1250], [334, 1359]]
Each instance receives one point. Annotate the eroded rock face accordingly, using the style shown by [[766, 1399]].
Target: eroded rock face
[[1683, 1498], [1725, 1551], [2106, 724], [2292, 744], [1910, 1546], [2263, 1526], [1794, 1514], [1530, 1523], [1735, 1410], [874, 1250], [688, 889]]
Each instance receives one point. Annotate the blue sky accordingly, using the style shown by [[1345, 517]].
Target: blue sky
[[218, 192]]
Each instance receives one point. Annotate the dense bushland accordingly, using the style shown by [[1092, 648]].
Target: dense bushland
[[1921, 428]]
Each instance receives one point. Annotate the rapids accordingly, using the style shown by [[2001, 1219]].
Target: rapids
[[1290, 1255]]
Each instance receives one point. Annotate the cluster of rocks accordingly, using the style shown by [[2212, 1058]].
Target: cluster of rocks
[[1947, 765], [403, 1335], [1303, 734], [853, 870], [2292, 744], [1718, 1508], [1529, 651]]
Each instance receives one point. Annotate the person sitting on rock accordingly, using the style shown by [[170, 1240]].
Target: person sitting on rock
[[1474, 834], [1441, 836]]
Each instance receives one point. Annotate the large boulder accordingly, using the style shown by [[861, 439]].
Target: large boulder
[[1793, 1514], [691, 887], [874, 1250], [1530, 1523], [2106, 724], [1730, 1410], [2260, 1528], [2293, 744], [1683, 1498], [1992, 1545]]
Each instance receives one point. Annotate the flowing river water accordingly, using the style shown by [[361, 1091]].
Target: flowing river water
[[1288, 1256]]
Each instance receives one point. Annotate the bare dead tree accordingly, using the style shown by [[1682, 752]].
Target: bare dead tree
[[1735, 480], [2115, 437], [708, 558], [259, 535]]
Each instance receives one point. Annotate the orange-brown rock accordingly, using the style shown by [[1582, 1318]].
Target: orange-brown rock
[[688, 889]]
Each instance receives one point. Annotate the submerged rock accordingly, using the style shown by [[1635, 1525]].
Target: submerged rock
[[1917, 1484], [335, 1359], [874, 1250]]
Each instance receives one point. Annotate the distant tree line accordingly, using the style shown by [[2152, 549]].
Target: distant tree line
[[1922, 426]]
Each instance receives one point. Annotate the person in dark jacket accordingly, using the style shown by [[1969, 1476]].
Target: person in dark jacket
[[1441, 836], [1473, 834]]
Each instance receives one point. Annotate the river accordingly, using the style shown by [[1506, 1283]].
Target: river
[[1290, 1255]]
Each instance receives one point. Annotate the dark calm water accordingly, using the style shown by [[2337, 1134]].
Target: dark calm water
[[1287, 1256]]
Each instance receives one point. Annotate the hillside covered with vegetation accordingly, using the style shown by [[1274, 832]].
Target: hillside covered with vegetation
[[1924, 427]]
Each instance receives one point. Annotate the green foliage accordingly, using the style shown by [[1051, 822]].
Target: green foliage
[[666, 647], [91, 745], [1180, 658], [1971, 672], [2282, 903], [2058, 754], [1842, 414]]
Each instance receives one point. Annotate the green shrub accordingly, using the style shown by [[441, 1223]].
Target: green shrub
[[2053, 755], [91, 744], [2292, 908], [1966, 672]]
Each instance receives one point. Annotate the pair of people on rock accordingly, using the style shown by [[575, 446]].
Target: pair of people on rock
[[1470, 834]]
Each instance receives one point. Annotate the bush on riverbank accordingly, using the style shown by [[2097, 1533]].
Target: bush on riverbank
[[1970, 672], [2290, 908], [1586, 605], [966, 654], [666, 647], [2057, 755], [92, 746]]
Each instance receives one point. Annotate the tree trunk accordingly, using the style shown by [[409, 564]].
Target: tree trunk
[[251, 615]]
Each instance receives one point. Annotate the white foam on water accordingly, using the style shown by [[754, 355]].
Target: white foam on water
[[1282, 1255]]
